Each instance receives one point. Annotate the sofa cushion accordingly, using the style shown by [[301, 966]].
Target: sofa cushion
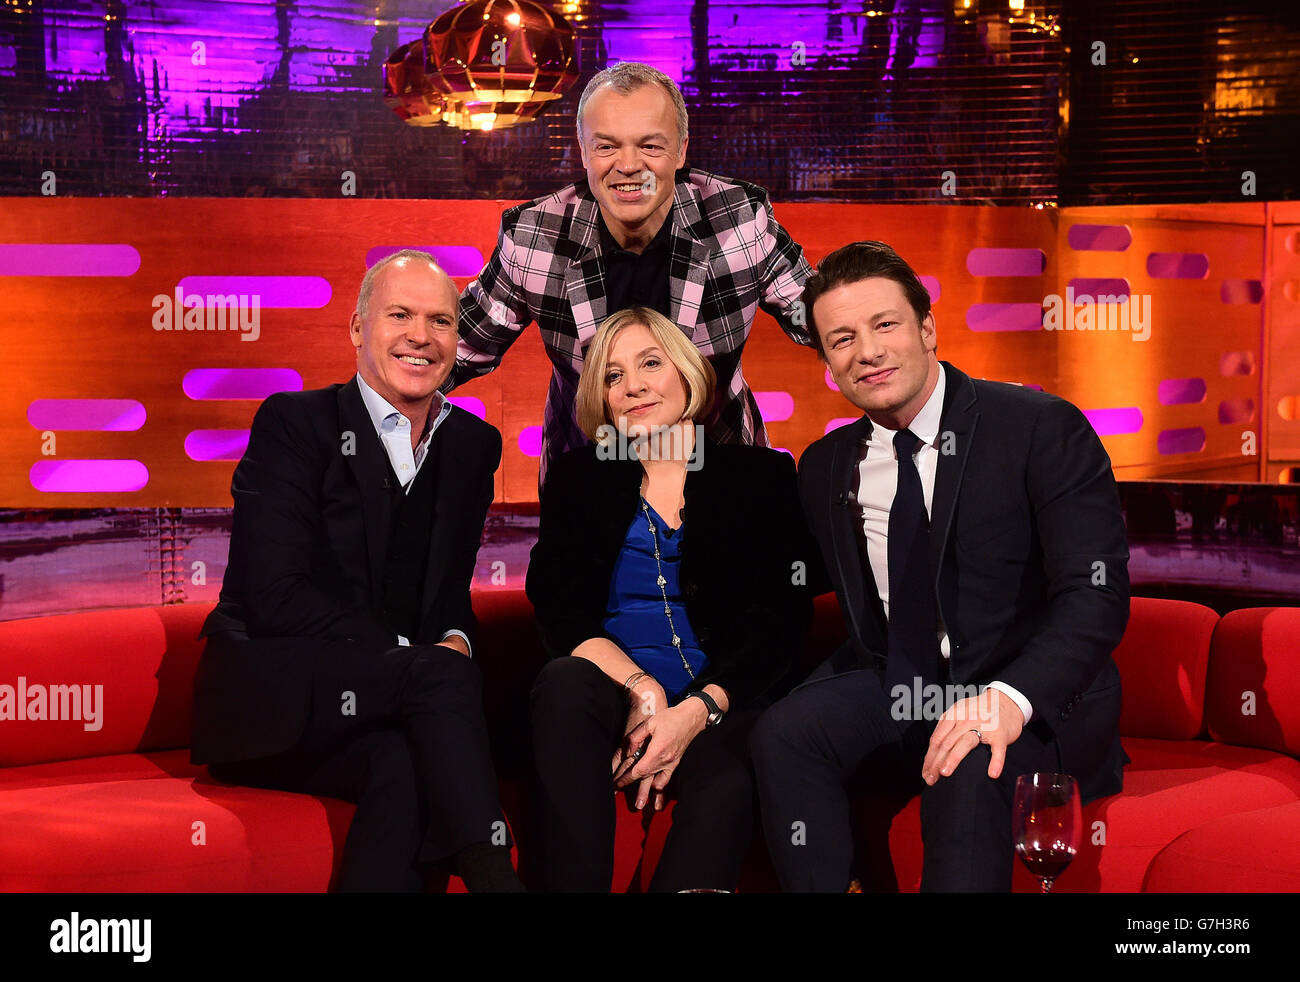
[[129, 823], [1162, 663], [1254, 697], [1169, 788], [137, 664], [1251, 852]]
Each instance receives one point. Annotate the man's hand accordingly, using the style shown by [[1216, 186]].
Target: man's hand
[[665, 736], [999, 722]]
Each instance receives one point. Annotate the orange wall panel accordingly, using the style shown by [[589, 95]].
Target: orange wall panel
[[91, 337]]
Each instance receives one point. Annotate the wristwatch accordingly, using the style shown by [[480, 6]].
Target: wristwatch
[[715, 714]]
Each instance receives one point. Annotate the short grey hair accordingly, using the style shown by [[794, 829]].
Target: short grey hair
[[627, 77], [368, 281]]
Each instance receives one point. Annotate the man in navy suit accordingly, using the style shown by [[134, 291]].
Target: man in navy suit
[[338, 658], [973, 535]]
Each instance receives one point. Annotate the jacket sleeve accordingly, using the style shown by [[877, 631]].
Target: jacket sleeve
[[493, 312], [819, 578], [1080, 526], [453, 608], [783, 272], [568, 600], [767, 599], [276, 490]]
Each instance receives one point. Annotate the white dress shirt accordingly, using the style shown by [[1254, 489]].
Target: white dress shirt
[[877, 483], [394, 430]]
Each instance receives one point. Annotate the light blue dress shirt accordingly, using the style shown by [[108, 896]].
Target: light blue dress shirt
[[394, 430]]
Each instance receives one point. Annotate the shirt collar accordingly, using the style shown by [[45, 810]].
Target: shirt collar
[[925, 426], [609, 245], [380, 409]]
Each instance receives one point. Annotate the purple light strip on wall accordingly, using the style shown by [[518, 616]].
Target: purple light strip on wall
[[530, 441], [839, 421], [74, 476], [297, 292], [1237, 363], [1006, 262], [239, 383], [1099, 238], [1179, 391], [1086, 287], [46, 259], [1111, 422], [470, 405], [1241, 291], [1236, 410], [1005, 317], [216, 444], [1189, 440], [1178, 265], [455, 260], [774, 406], [86, 414]]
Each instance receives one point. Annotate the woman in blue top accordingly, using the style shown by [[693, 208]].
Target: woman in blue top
[[669, 583]]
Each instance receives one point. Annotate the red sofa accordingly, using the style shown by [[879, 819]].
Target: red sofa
[[1211, 798]]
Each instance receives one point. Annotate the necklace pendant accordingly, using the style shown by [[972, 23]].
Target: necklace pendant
[[662, 581]]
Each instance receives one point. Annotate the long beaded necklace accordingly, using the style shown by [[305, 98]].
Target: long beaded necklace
[[677, 641]]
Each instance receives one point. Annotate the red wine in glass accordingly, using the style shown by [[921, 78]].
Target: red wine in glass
[[1046, 823]]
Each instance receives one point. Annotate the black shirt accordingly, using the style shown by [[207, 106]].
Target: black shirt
[[633, 279]]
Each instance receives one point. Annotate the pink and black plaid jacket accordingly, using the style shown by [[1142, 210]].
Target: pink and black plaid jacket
[[729, 256]]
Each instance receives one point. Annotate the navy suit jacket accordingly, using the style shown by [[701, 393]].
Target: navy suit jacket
[[313, 504], [1028, 553]]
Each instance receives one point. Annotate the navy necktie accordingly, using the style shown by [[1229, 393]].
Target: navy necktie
[[913, 619]]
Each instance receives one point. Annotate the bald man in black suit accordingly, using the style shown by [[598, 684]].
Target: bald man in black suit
[[338, 659]]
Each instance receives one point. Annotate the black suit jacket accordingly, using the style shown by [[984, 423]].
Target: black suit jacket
[[745, 556], [1028, 553], [312, 517]]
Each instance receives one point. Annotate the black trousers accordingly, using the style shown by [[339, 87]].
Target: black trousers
[[578, 717], [808, 746], [401, 733]]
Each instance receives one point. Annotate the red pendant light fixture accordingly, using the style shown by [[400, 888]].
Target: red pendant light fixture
[[488, 64]]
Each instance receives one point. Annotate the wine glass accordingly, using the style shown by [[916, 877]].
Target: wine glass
[[1046, 823]]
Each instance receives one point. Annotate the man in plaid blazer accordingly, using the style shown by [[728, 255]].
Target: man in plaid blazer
[[642, 229]]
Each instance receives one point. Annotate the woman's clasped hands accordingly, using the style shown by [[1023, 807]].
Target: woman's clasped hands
[[654, 740]]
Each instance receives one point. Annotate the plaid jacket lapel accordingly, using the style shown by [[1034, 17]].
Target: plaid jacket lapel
[[688, 267], [584, 277]]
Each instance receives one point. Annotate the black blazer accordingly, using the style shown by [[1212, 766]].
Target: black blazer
[[1029, 556], [745, 552], [312, 516]]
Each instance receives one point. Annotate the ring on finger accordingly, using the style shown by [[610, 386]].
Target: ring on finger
[[979, 735]]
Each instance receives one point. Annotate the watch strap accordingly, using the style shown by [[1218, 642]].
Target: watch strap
[[715, 712]]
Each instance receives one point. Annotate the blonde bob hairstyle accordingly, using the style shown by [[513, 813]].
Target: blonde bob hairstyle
[[697, 374]]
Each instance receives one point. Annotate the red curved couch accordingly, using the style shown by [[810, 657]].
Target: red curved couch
[[1211, 801]]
